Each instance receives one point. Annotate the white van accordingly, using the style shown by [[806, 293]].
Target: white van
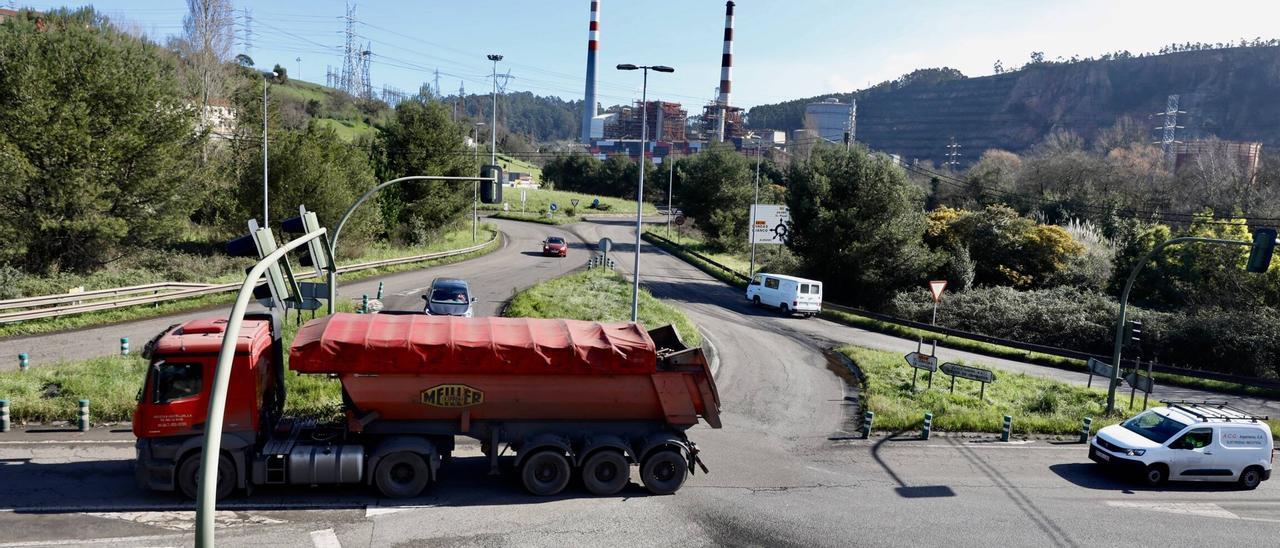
[[1189, 441], [789, 294]]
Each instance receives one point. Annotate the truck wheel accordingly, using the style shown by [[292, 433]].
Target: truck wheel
[[1155, 475], [606, 472], [755, 300], [1251, 478], [784, 309], [401, 475], [664, 471], [545, 473], [189, 477]]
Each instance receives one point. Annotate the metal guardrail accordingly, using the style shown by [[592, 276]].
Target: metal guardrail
[[184, 291], [1030, 347]]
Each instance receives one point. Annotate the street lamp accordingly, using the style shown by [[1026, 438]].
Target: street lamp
[[475, 186], [644, 145], [751, 227], [493, 131], [266, 74]]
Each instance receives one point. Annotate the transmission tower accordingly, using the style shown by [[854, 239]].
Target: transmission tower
[[1167, 141], [438, 93], [953, 152], [246, 30], [366, 84], [351, 54], [462, 94]]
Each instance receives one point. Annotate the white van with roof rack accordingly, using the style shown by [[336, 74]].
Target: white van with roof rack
[[789, 294], [1189, 441]]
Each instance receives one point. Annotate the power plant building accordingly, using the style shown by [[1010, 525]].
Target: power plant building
[[831, 119]]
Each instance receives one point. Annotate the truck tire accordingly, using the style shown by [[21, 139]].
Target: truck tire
[[1251, 477], [545, 473], [664, 471], [755, 300], [606, 472], [401, 475], [189, 476]]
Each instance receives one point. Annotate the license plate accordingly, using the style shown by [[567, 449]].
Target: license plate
[[1102, 455]]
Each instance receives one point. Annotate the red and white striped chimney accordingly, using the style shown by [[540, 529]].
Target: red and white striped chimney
[[589, 96], [726, 67]]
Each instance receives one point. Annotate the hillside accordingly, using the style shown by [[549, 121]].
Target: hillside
[[1227, 93]]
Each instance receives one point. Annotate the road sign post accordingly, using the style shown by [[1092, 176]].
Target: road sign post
[[1099, 368], [918, 360], [936, 287], [983, 376], [523, 196]]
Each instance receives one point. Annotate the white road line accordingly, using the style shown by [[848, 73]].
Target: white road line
[[908, 444], [325, 538], [234, 506], [129, 541], [68, 442], [1204, 509]]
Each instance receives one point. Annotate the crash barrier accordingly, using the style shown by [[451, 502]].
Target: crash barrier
[[31, 308], [598, 261]]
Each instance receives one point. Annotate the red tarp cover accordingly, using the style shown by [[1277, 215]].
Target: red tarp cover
[[383, 343]]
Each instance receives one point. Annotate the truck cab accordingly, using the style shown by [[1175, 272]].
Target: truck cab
[[173, 402]]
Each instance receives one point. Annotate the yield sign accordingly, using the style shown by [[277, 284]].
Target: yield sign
[[936, 287]]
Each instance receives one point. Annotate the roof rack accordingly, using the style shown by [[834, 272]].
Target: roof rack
[[1207, 411]]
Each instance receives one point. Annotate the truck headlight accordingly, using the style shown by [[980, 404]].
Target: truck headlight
[[1136, 452]]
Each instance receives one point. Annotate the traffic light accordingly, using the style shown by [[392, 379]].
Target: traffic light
[[491, 191], [1264, 244], [307, 222], [260, 243]]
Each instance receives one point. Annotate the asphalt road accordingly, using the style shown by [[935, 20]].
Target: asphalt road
[[785, 470]]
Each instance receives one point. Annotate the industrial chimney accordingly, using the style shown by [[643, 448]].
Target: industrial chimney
[[726, 66], [589, 97]]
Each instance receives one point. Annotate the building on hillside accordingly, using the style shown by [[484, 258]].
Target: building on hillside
[[831, 119], [6, 14], [1243, 156], [219, 118]]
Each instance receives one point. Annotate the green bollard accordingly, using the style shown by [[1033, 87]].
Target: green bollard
[[867, 419], [124, 346], [83, 421], [24, 361], [364, 304], [4, 415], [1084, 430], [928, 426], [379, 290], [1008, 427]]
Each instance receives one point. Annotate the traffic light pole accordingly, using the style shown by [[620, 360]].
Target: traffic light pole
[[1124, 304], [333, 273]]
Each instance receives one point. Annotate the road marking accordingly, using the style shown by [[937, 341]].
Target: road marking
[[325, 538], [241, 505], [127, 541], [910, 444], [1203, 509], [69, 442], [380, 510], [185, 520]]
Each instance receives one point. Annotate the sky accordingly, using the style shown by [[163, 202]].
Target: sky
[[783, 49]]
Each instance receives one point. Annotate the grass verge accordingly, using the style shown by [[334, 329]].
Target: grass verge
[[1050, 360], [598, 295], [534, 218], [539, 200], [456, 239], [738, 262], [680, 251], [52, 393]]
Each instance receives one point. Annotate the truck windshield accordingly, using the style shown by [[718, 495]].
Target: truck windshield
[[1154, 426], [174, 381]]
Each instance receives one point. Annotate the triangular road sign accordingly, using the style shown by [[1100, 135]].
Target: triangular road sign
[[936, 287]]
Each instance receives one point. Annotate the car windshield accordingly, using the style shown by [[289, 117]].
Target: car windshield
[[1154, 426], [449, 295], [555, 241]]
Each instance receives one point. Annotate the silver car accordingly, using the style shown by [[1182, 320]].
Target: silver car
[[449, 297]]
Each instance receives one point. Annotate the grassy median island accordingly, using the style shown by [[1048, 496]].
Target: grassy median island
[[1037, 405], [537, 201], [598, 295]]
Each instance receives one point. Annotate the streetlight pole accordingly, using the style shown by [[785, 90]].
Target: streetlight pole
[[475, 189], [265, 210], [644, 145], [671, 178], [493, 131], [751, 225]]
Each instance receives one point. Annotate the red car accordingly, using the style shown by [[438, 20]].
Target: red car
[[555, 246]]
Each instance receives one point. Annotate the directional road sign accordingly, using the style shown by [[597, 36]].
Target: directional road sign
[[923, 361], [968, 372]]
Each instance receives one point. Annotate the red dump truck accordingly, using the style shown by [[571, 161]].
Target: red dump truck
[[565, 397]]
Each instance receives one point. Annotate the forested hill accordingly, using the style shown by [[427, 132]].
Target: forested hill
[[1229, 93], [546, 118]]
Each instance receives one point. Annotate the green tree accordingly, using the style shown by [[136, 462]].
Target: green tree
[[717, 187], [98, 149], [574, 172], [857, 223], [422, 140]]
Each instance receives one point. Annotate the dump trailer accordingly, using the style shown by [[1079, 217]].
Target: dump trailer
[[559, 398]]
